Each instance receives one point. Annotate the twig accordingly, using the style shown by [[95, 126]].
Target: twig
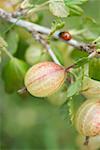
[[40, 38], [22, 23], [93, 54], [89, 48]]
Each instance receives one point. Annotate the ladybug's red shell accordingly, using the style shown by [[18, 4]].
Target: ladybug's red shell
[[65, 36]]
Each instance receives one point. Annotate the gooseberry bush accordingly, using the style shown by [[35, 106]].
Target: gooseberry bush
[[50, 74]]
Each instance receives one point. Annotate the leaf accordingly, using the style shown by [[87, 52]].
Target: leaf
[[94, 69], [12, 40], [81, 62], [74, 88], [13, 74], [75, 10], [57, 7], [3, 27], [77, 55], [73, 6], [73, 105], [74, 2]]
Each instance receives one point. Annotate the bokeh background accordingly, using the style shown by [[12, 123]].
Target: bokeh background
[[30, 123]]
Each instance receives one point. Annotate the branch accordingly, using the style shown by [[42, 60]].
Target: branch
[[89, 48], [22, 23]]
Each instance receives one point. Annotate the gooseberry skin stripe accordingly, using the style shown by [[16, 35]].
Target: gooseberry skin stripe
[[43, 76], [54, 88]]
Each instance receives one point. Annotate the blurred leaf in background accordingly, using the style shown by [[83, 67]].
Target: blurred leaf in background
[[12, 39], [13, 74]]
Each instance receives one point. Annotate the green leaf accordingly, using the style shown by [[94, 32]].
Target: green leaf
[[74, 2], [13, 74], [94, 69], [73, 6], [75, 10], [74, 88], [3, 27], [77, 55], [81, 62], [12, 40], [57, 7], [73, 105]]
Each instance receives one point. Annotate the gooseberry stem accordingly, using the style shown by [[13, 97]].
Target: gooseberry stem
[[41, 39], [73, 65], [86, 140], [70, 67]]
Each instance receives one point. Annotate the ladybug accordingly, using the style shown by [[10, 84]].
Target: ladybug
[[65, 36]]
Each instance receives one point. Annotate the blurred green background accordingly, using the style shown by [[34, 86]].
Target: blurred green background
[[29, 123]]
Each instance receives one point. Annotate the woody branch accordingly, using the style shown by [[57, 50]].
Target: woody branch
[[31, 27]]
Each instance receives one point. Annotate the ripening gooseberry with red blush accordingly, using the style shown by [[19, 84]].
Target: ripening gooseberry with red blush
[[88, 118], [44, 79]]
